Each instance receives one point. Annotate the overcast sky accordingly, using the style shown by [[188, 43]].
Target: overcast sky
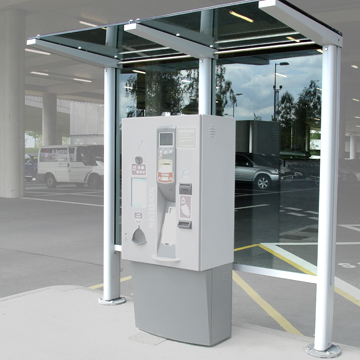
[[256, 83]]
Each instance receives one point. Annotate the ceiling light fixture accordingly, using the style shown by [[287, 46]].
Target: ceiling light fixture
[[354, 66], [143, 50], [39, 73], [83, 80], [220, 52], [280, 75], [356, 99], [256, 37], [292, 39], [154, 59], [139, 71], [37, 51], [87, 23], [319, 50], [241, 16], [357, 117]]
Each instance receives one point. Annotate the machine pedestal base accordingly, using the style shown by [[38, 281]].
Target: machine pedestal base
[[183, 305]]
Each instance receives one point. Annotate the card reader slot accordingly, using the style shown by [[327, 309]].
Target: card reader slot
[[185, 224]]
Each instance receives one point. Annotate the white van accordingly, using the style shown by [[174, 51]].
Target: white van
[[78, 164]]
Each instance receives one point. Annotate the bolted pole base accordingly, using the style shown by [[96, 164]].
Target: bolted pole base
[[119, 301], [333, 351]]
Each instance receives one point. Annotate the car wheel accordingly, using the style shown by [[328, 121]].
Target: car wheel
[[79, 185], [94, 181], [262, 182], [50, 181]]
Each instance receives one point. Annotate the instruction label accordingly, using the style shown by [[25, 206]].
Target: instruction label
[[186, 137], [185, 206]]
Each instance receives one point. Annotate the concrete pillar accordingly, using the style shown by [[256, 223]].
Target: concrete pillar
[[12, 100], [49, 136], [352, 146], [58, 137]]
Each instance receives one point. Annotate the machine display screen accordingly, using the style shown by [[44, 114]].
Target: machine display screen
[[166, 139], [138, 193]]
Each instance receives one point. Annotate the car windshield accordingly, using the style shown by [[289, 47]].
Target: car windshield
[[259, 160]]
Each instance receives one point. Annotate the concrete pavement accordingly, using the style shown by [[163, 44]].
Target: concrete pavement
[[66, 322]]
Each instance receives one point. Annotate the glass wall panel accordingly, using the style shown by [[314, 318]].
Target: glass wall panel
[[159, 88], [276, 102]]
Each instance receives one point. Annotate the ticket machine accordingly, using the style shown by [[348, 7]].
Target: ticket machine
[[178, 224]]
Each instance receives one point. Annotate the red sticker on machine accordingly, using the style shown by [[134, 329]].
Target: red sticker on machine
[[165, 177]]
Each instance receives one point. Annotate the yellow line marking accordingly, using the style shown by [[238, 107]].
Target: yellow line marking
[[290, 262], [342, 293], [246, 247], [101, 285], [347, 296], [263, 304]]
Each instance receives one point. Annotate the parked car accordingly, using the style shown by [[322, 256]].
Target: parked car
[[31, 166], [286, 174], [349, 171], [254, 168]]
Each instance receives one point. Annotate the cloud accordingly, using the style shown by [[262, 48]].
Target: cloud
[[256, 83]]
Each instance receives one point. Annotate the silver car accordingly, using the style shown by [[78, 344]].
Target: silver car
[[254, 168]]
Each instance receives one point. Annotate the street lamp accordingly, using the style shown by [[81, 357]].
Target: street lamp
[[276, 91], [235, 102]]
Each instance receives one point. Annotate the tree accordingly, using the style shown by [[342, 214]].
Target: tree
[[307, 113], [169, 90], [286, 118], [36, 135], [163, 90]]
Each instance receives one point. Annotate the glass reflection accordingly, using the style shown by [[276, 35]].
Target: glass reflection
[[278, 159]]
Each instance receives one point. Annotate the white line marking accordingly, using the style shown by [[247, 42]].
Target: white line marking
[[63, 202], [348, 243], [295, 214], [253, 206], [292, 243], [292, 208], [275, 192], [313, 243], [355, 227], [314, 218], [341, 284], [312, 212], [303, 263]]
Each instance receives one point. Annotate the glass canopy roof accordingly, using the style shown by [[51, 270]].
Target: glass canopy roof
[[232, 28]]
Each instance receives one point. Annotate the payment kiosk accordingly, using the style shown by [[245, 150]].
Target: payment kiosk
[[178, 224]]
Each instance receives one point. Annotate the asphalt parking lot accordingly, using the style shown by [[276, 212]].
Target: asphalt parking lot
[[54, 237]]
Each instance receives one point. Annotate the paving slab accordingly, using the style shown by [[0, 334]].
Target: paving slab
[[66, 322]]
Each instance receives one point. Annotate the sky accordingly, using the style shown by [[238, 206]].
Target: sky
[[256, 82]]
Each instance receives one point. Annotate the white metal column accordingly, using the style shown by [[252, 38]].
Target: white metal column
[[205, 87], [111, 292], [206, 66], [328, 198], [353, 139]]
